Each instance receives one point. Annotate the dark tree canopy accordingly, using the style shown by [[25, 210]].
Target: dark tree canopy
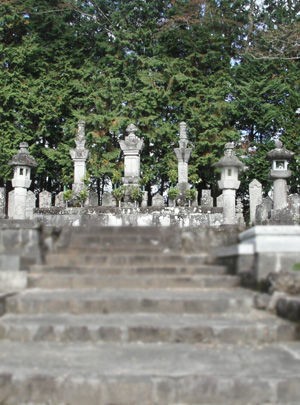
[[217, 65]]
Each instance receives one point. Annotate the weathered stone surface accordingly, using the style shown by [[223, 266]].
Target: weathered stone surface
[[20, 245], [284, 281], [261, 301], [220, 202], [263, 211], [289, 215], [131, 147], [11, 204], [2, 202], [193, 217], [108, 200], [183, 154], [30, 204], [239, 212], [158, 200], [59, 200], [79, 156], [255, 198], [103, 374], [206, 198], [160, 327], [45, 199], [92, 200]]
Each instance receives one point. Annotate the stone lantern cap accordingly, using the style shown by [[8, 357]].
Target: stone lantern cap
[[229, 159], [280, 152], [23, 158]]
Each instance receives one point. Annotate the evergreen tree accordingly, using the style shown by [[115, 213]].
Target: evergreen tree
[[151, 63]]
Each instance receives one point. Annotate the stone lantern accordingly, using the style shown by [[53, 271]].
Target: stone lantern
[[183, 154], [22, 163], [131, 147], [230, 167], [280, 158], [79, 156]]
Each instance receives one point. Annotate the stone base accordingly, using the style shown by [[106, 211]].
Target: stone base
[[131, 216], [262, 250]]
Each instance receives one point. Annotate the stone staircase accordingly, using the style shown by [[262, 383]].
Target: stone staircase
[[123, 316]]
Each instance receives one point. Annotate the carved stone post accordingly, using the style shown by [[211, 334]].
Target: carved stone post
[[131, 147], [280, 173], [255, 198], [183, 154], [230, 167], [22, 163], [79, 156]]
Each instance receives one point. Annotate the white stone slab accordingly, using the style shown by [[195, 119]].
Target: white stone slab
[[273, 238]]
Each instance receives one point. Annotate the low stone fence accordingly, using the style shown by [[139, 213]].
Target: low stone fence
[[141, 216]]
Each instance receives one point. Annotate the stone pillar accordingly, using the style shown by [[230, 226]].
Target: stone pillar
[[30, 204], [280, 157], [79, 156], [255, 197], [131, 147], [183, 154], [230, 167], [22, 163], [2, 202]]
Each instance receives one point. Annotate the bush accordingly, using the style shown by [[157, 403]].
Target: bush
[[173, 193], [119, 193], [135, 193]]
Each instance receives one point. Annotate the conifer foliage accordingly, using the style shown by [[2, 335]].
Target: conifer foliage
[[153, 63]]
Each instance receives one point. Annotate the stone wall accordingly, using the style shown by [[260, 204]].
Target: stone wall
[[142, 216], [20, 246]]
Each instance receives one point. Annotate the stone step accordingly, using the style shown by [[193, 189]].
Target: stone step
[[157, 231], [130, 258], [131, 235], [141, 269], [149, 328], [110, 247], [105, 301], [117, 240], [52, 280], [148, 374]]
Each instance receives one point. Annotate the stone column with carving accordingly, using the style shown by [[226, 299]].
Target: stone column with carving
[[255, 198], [230, 167], [183, 154], [280, 158], [79, 156], [131, 147], [22, 163]]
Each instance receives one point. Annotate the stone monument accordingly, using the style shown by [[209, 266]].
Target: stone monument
[[45, 199], [22, 163], [79, 156], [131, 147], [280, 158], [230, 167], [183, 154], [255, 196]]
